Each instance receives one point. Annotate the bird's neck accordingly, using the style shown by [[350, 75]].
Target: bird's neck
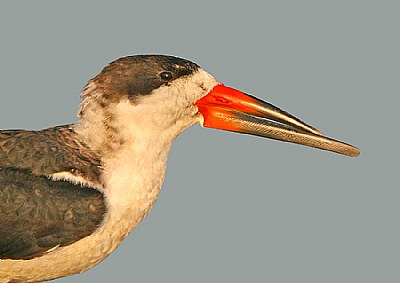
[[133, 148], [133, 164]]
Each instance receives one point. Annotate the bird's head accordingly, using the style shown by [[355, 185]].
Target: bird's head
[[160, 96]]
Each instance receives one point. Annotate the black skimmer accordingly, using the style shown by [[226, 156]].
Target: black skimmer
[[70, 194]]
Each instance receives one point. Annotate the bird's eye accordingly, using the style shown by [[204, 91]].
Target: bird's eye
[[166, 76]]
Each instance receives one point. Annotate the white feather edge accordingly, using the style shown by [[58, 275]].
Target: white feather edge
[[76, 180]]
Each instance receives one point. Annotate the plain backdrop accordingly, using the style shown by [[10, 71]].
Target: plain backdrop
[[236, 208]]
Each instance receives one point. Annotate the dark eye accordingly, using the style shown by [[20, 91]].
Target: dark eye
[[166, 76]]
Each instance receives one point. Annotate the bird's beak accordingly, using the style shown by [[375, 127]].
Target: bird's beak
[[228, 109]]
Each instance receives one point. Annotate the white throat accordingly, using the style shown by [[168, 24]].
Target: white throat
[[134, 174]]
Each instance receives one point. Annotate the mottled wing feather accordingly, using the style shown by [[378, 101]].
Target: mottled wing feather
[[37, 213], [47, 152]]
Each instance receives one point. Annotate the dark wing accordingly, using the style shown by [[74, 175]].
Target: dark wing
[[47, 152], [36, 213]]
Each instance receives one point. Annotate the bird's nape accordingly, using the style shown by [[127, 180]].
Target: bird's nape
[[228, 109]]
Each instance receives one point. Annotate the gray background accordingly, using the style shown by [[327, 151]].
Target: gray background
[[236, 208]]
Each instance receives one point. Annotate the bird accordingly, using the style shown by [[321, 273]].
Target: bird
[[70, 194]]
